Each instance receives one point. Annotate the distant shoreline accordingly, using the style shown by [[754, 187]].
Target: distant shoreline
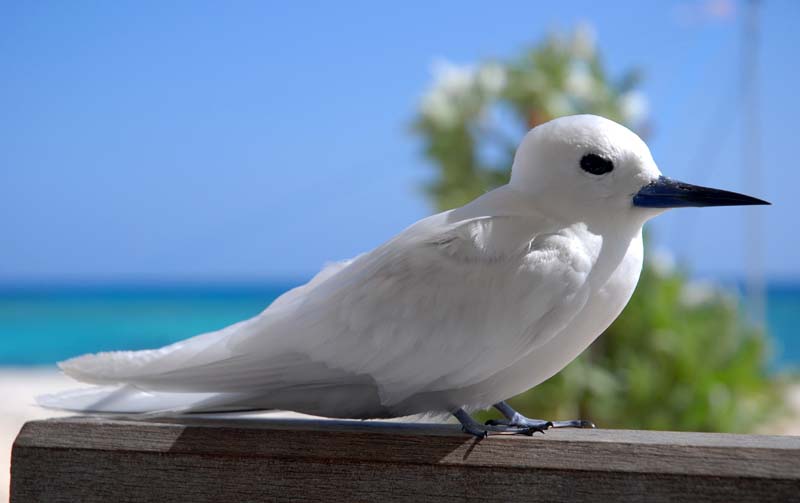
[[11, 285], [43, 324]]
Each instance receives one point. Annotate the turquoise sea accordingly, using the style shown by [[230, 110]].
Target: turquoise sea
[[42, 325]]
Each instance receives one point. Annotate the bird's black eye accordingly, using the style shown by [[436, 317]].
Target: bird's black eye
[[596, 165]]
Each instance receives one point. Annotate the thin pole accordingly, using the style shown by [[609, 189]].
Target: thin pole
[[751, 165]]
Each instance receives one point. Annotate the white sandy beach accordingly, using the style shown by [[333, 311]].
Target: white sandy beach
[[19, 386]]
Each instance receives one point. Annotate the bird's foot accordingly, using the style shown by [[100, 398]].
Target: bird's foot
[[515, 419], [540, 424], [481, 431], [522, 422]]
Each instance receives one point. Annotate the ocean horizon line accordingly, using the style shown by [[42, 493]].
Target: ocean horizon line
[[178, 286], [269, 283]]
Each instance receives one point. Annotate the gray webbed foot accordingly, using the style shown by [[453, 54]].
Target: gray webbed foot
[[481, 431], [522, 422], [514, 418]]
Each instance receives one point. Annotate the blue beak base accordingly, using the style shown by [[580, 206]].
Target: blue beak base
[[667, 193]]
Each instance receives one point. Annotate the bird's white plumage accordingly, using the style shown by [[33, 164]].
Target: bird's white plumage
[[462, 309]]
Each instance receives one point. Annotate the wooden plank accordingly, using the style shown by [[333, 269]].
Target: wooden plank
[[97, 459]]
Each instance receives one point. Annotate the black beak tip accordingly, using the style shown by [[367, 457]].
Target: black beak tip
[[743, 200], [667, 193]]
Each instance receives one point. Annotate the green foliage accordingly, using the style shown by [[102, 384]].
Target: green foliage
[[470, 110], [680, 357]]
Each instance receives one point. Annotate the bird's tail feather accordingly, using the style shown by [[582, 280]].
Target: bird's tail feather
[[126, 367], [130, 400], [107, 368]]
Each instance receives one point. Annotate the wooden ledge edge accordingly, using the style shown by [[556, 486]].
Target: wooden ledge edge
[[624, 451]]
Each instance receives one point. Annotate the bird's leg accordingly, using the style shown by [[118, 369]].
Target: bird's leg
[[473, 427], [514, 418]]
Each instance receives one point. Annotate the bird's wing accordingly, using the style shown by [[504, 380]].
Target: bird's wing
[[447, 303], [440, 306]]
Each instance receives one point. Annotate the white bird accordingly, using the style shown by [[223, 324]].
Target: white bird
[[458, 312]]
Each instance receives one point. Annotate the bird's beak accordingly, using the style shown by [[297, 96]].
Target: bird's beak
[[667, 193]]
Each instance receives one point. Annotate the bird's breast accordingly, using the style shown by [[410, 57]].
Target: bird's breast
[[607, 295]]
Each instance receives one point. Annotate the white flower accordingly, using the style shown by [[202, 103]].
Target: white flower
[[580, 82], [558, 105], [583, 40], [492, 78], [451, 83], [438, 107], [634, 107], [451, 78], [697, 293], [662, 262]]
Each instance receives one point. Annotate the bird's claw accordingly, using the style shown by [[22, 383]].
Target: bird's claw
[[533, 425], [514, 418], [530, 431], [575, 423], [482, 431], [476, 432], [514, 424]]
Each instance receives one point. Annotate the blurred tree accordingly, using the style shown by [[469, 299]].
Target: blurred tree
[[679, 357]]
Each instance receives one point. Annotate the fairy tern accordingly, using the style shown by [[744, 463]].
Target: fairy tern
[[458, 312]]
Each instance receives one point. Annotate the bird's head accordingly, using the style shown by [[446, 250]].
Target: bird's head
[[587, 168]]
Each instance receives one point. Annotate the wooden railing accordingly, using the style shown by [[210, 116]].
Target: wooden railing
[[85, 459]]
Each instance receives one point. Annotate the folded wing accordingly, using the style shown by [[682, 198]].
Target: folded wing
[[447, 303]]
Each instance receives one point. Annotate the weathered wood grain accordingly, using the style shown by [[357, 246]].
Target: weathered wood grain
[[96, 459]]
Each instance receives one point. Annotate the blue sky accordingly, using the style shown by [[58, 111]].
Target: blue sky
[[247, 140]]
